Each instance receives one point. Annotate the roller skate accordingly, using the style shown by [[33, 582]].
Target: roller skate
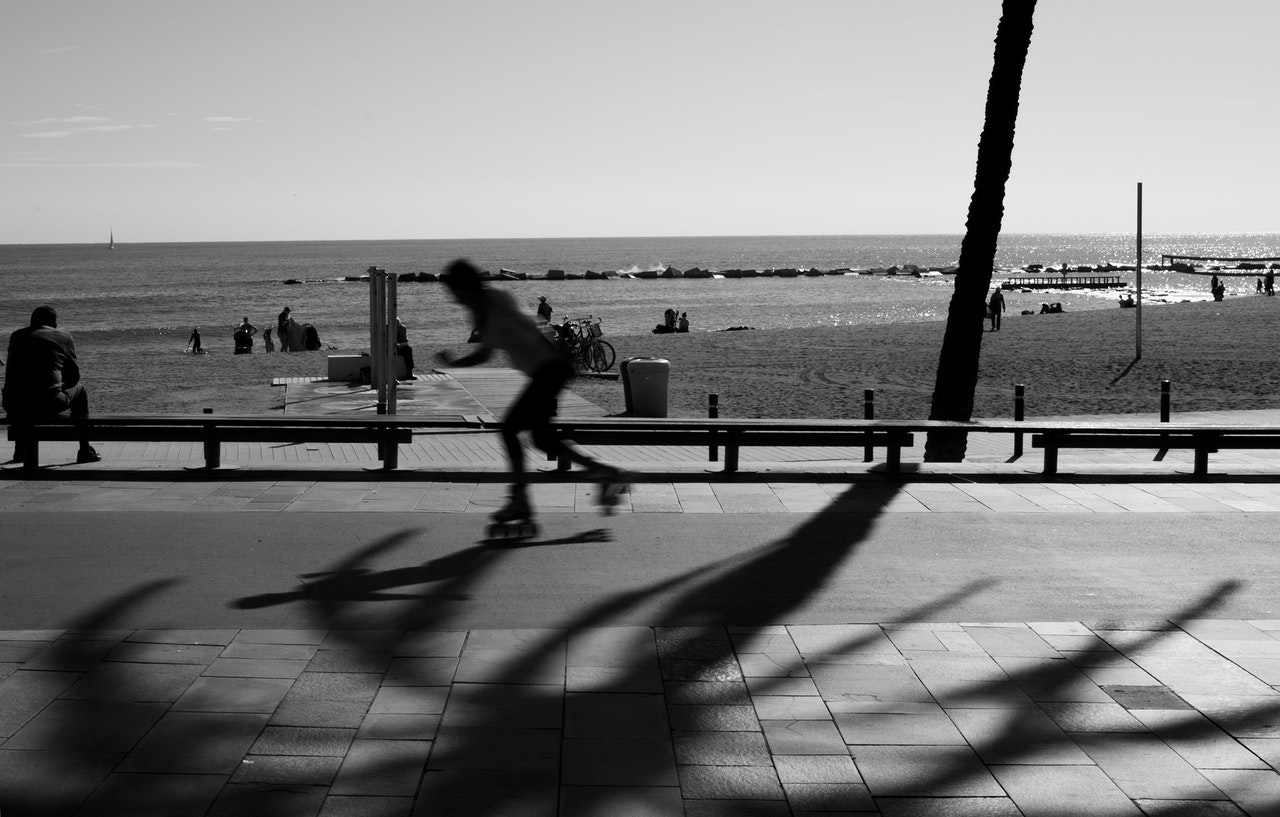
[[612, 487], [515, 521]]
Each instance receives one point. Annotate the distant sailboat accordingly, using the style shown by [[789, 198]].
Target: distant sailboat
[[112, 244]]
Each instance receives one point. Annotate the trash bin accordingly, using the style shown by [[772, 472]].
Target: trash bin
[[644, 385]]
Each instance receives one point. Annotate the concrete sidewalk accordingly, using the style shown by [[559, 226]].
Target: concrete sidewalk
[[1172, 712]]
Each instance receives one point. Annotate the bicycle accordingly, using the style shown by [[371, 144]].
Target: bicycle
[[580, 338]]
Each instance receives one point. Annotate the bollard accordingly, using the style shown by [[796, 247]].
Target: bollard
[[713, 411], [868, 413], [1019, 394], [1164, 401]]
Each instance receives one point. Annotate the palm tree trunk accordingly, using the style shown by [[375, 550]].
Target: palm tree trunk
[[957, 378]]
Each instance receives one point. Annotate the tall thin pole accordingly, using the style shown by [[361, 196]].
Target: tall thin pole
[[1138, 354]]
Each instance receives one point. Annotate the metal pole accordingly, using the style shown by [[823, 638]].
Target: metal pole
[[1138, 353], [868, 413], [1164, 401], [713, 412], [377, 348], [392, 363], [1019, 407]]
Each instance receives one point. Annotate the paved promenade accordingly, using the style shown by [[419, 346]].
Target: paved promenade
[[303, 636]]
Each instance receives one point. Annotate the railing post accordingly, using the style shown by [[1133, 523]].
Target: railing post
[[1019, 405], [868, 413], [1164, 401], [713, 412], [212, 448]]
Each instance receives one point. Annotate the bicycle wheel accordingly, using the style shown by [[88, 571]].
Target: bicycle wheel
[[594, 357], [607, 355]]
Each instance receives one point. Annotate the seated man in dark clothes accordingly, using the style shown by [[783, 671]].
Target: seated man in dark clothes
[[42, 377]]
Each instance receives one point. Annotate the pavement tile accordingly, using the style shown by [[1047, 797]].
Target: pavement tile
[[73, 653], [507, 705], [409, 700], [297, 652], [1144, 767], [1050, 791], [766, 685], [948, 807], [713, 718], [252, 695], [143, 653], [376, 661], [399, 727], [1180, 808], [51, 781], [312, 637], [284, 770], [23, 694], [837, 768], [336, 686], [722, 693], [1145, 697], [721, 748], [613, 679], [789, 707], [613, 647], [623, 801], [730, 783], [914, 771], [382, 767], [759, 664], [496, 748], [509, 667], [114, 681], [868, 682], [1052, 679], [219, 638], [338, 805], [1025, 736], [319, 741], [897, 729], [618, 762], [1118, 676], [431, 643], [195, 743], [483, 793], [96, 726], [421, 671], [1073, 716], [1011, 641], [828, 797], [725, 668], [1198, 740], [622, 715], [144, 795], [821, 642], [1267, 749], [1242, 716], [793, 737], [308, 712], [1256, 792]]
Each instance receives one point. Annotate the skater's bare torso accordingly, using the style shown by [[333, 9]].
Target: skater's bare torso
[[505, 328]]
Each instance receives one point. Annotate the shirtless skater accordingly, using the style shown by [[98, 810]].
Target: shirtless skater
[[502, 326]]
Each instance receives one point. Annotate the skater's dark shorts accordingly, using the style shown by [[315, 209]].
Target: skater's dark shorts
[[534, 409]]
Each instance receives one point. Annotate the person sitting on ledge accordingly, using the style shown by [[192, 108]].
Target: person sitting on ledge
[[42, 378]]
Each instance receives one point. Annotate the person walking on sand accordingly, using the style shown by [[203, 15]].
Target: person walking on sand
[[194, 341], [502, 326], [42, 378], [268, 345], [996, 308]]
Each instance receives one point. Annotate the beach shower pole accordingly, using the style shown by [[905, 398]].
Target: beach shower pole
[[389, 289], [1138, 353]]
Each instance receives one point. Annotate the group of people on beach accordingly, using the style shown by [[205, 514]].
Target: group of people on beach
[[672, 322], [292, 336]]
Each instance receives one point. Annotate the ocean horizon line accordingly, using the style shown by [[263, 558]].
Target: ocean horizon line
[[119, 242]]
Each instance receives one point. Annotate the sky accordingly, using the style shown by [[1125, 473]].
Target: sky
[[278, 120]]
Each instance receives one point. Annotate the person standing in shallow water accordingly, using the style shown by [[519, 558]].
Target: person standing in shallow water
[[282, 329], [502, 326]]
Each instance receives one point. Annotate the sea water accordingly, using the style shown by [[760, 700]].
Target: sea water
[[147, 298]]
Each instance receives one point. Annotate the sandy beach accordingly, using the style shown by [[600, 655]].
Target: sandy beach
[[1216, 355]]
